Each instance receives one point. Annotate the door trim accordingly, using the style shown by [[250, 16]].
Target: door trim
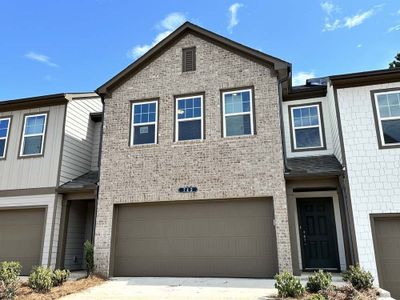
[[335, 238]]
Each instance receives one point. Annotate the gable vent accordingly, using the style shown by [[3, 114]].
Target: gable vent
[[189, 59]]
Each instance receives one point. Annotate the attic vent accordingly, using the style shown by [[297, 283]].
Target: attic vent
[[189, 59]]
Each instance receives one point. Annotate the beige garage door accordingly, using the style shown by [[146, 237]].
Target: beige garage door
[[21, 232], [234, 238], [387, 245]]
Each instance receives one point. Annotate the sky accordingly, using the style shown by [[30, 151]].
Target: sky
[[57, 46]]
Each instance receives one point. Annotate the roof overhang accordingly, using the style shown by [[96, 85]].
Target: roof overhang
[[280, 66], [365, 78]]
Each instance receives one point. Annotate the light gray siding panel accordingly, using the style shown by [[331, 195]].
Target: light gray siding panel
[[32, 172], [79, 138], [96, 147]]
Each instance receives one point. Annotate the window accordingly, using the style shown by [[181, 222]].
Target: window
[[189, 118], [189, 59], [4, 130], [144, 123], [238, 113], [306, 127], [388, 114], [33, 135]]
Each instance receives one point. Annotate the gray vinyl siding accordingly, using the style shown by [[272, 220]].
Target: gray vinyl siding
[[33, 172], [79, 138]]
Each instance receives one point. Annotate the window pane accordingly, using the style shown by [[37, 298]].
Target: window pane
[[144, 134], [305, 116], [32, 145], [384, 111], [389, 105], [189, 130], [391, 131], [34, 125], [3, 128], [189, 108], [308, 137], [237, 102], [2, 147], [144, 113], [238, 125]]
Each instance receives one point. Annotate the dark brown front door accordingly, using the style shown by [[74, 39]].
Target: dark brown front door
[[318, 234]]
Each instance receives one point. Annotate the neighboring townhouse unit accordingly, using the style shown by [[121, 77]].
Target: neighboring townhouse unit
[[48, 173], [368, 104], [192, 179]]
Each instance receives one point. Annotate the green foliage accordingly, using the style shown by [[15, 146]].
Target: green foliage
[[288, 285], [396, 62], [89, 257], [319, 281], [9, 272], [41, 279], [60, 276], [317, 297], [358, 277]]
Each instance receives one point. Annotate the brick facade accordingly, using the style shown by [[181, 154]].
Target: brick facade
[[221, 168]]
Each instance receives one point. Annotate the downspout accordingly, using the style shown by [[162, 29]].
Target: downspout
[[280, 82]]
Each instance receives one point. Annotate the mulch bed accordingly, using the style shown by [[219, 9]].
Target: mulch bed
[[69, 287]]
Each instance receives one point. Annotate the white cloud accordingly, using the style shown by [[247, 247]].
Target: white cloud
[[348, 22], [330, 26], [167, 25], [300, 78], [358, 19], [328, 7], [233, 19], [394, 28], [40, 58]]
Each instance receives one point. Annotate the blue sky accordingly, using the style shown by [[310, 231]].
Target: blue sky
[[73, 46]]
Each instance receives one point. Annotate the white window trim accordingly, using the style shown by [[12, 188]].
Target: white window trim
[[6, 137], [188, 119], [133, 124], [238, 114], [43, 135], [307, 127], [380, 119]]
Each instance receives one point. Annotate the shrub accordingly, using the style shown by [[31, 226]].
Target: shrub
[[288, 285], [9, 272], [41, 279], [89, 257], [60, 276], [358, 277], [319, 281]]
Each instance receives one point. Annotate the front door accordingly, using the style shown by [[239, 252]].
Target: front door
[[318, 234]]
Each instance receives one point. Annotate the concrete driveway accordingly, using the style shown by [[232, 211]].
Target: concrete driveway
[[154, 288]]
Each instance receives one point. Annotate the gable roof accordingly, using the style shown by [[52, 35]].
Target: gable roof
[[281, 66]]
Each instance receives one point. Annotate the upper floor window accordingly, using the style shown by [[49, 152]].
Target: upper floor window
[[144, 123], [189, 59], [33, 135], [189, 118], [238, 113], [4, 131], [388, 113], [306, 125]]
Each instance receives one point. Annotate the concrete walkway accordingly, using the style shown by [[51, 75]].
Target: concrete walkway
[[154, 288]]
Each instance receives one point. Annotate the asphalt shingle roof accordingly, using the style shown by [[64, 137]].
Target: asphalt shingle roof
[[313, 165], [85, 182]]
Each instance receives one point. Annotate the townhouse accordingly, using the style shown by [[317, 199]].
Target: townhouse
[[48, 173], [212, 164]]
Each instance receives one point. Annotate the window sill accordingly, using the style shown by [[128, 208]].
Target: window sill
[[30, 156], [188, 142], [239, 137], [309, 149]]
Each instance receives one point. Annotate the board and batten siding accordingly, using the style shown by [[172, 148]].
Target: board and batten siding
[[79, 138], [32, 172]]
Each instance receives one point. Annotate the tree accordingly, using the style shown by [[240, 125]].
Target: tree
[[396, 62]]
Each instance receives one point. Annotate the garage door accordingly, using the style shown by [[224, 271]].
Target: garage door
[[234, 238], [21, 232], [387, 245]]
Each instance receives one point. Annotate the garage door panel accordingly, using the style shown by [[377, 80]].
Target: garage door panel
[[387, 233], [209, 238], [21, 232]]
